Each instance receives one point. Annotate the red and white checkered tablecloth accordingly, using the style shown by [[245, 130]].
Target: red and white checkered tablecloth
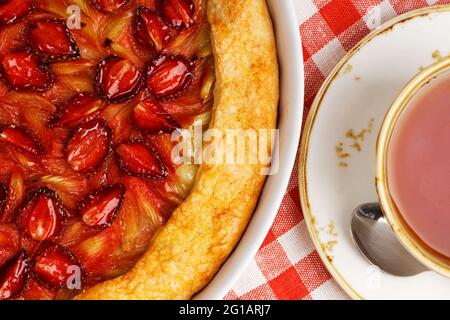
[[287, 265]]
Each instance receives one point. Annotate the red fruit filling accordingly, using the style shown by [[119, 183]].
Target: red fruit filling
[[9, 242], [23, 70], [54, 266], [86, 170], [118, 79], [178, 13], [18, 138], [14, 277], [41, 219], [99, 209], [88, 146], [52, 39], [14, 10], [108, 6], [150, 116], [150, 29], [168, 76], [140, 159], [80, 109]]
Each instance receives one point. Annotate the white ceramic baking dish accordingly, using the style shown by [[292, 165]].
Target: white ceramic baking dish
[[290, 121]]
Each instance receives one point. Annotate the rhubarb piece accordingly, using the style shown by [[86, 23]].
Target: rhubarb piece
[[15, 195], [150, 116], [108, 6], [34, 290]]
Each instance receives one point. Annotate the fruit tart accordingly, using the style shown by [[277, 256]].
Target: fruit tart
[[92, 203]]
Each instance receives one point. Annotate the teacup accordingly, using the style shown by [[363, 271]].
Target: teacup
[[413, 167]]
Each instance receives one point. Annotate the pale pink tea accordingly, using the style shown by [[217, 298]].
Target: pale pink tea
[[418, 165]]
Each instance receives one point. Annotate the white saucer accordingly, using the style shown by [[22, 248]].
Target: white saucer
[[337, 164]]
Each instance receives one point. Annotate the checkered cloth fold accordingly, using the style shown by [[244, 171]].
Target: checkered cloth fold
[[287, 265]]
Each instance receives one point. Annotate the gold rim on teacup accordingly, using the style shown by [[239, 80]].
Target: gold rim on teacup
[[423, 253]]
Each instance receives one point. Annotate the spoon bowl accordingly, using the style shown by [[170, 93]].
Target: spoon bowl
[[378, 244]]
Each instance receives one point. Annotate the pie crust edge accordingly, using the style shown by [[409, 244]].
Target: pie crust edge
[[186, 253]]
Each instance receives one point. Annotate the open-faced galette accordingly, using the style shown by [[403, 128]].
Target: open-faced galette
[[93, 204]]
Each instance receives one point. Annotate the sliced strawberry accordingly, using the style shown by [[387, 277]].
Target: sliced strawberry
[[42, 217], [150, 29], [9, 243], [54, 266], [51, 39], [14, 10], [168, 76], [190, 103], [16, 194], [100, 208], [108, 5], [23, 70], [88, 146], [33, 290], [19, 138], [140, 159], [80, 109], [150, 116], [178, 13], [118, 79], [15, 276]]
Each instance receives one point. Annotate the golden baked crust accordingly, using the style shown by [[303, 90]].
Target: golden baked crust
[[189, 250]]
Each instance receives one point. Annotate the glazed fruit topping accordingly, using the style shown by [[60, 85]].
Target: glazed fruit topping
[[100, 208], [34, 290], [178, 13], [88, 146], [140, 159], [86, 115], [80, 109], [52, 39], [118, 79], [14, 10], [54, 266], [42, 216], [23, 70], [150, 29], [150, 116], [19, 138], [168, 76], [9, 243], [108, 6], [13, 280]]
